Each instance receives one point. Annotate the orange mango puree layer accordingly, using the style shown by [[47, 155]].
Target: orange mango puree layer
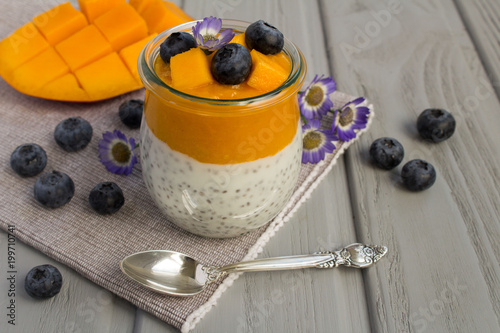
[[222, 134]]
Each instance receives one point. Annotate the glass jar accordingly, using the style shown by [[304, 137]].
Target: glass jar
[[220, 168]]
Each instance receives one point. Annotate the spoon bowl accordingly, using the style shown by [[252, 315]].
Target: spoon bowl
[[167, 272], [176, 274]]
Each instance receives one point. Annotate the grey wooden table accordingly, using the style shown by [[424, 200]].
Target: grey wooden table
[[442, 273]]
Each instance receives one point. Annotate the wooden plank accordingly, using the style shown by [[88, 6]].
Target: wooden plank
[[481, 19], [442, 272], [300, 301]]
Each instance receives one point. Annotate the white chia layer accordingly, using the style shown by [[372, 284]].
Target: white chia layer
[[214, 200]]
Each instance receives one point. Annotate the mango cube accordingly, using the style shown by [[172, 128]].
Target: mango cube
[[130, 55], [105, 77], [21, 46], [163, 71], [63, 88], [140, 5], [60, 22], [281, 59], [266, 74], [240, 39], [190, 69], [95, 8], [47, 66], [76, 51], [122, 26], [159, 17]]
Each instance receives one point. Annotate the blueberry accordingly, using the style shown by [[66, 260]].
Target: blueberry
[[54, 189], [43, 281], [436, 125], [130, 112], [264, 38], [28, 160], [231, 64], [418, 175], [106, 198], [176, 43], [73, 134], [387, 153]]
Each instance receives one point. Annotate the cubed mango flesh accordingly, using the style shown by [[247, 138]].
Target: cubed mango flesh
[[92, 9], [39, 71], [122, 26], [162, 69], [106, 76], [281, 59], [140, 5], [62, 87], [76, 51], [190, 69], [159, 17], [60, 22], [61, 56], [266, 74], [240, 39], [130, 54], [22, 45]]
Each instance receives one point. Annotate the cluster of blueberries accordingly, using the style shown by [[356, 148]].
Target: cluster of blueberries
[[434, 125], [231, 64], [55, 189]]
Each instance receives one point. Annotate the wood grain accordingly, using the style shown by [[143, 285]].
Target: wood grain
[[481, 19], [442, 273]]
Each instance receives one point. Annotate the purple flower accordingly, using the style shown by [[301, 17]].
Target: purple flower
[[207, 35], [117, 153], [315, 101], [352, 116], [316, 142]]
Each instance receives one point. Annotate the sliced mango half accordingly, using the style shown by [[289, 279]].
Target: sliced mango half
[[84, 55]]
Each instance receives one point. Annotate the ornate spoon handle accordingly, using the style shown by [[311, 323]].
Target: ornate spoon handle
[[355, 255]]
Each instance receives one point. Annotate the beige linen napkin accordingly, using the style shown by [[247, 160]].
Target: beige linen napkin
[[92, 244]]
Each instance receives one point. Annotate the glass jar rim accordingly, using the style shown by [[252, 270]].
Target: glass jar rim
[[153, 82]]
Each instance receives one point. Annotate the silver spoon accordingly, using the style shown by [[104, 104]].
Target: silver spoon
[[176, 274]]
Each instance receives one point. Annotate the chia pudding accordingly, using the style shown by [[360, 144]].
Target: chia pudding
[[220, 158], [218, 200]]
